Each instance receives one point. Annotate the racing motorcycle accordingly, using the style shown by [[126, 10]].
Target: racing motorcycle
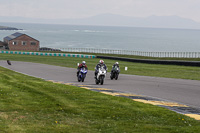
[[115, 73], [100, 76], [82, 74]]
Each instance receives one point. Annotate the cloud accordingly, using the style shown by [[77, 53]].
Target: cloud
[[86, 8]]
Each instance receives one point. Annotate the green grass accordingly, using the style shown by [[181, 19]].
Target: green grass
[[31, 105], [168, 71]]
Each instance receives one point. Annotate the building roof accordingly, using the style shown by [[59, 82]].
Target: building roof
[[13, 36]]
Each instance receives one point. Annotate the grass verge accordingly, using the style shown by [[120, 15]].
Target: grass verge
[[29, 104], [168, 71]]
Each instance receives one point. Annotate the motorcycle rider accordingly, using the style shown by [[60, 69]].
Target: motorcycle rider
[[115, 65], [82, 65], [99, 65]]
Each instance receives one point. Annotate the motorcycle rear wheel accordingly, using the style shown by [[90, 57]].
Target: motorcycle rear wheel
[[111, 76], [96, 81]]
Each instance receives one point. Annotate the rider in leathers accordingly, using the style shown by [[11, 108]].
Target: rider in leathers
[[115, 65], [83, 65], [99, 65]]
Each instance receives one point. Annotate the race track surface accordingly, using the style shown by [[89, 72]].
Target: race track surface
[[176, 90]]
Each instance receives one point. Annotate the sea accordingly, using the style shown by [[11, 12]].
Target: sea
[[109, 37]]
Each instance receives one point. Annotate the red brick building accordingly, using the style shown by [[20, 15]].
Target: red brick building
[[3, 45], [22, 42]]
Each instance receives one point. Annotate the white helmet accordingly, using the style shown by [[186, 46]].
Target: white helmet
[[117, 63], [83, 63], [101, 61]]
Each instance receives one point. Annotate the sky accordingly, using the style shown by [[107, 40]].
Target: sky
[[67, 9]]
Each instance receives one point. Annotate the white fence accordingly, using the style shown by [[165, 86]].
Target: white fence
[[137, 53]]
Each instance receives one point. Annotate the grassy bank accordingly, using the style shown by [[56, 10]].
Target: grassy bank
[[168, 71], [32, 105]]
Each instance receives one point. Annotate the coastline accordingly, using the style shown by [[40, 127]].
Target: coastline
[[133, 39], [8, 28]]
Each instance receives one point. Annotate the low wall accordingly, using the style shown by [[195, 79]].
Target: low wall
[[49, 54], [165, 62]]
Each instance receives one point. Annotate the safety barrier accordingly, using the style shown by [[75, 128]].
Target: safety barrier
[[49, 54], [136, 53], [148, 61]]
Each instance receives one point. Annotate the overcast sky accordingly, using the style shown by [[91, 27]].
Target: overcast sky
[[86, 8]]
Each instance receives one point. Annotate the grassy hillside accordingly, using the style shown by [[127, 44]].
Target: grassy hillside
[[29, 105]]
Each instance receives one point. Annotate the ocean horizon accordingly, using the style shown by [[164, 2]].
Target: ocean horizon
[[110, 37]]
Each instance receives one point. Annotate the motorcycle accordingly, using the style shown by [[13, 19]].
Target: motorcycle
[[115, 73], [100, 76], [82, 75], [8, 61]]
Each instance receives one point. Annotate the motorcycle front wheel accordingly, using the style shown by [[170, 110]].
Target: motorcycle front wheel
[[116, 76], [83, 78], [101, 80]]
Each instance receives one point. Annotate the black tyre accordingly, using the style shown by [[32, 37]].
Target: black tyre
[[79, 78], [111, 77], [101, 80], [9, 63], [96, 81], [116, 76], [83, 79]]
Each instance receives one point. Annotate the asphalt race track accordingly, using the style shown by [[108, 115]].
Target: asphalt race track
[[176, 90]]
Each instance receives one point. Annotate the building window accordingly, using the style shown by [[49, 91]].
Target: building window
[[33, 43], [14, 42], [24, 43]]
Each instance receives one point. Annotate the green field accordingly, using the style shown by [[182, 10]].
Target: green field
[[32, 105], [168, 71]]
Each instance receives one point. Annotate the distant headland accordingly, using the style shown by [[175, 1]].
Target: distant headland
[[8, 28]]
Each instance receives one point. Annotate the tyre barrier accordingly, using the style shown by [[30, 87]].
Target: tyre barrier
[[49, 54], [164, 62]]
